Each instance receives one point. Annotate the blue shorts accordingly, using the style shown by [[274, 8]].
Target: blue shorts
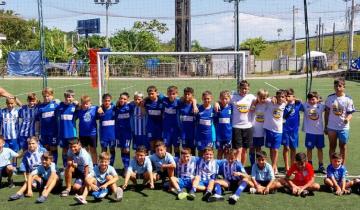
[[188, 143], [154, 133], [49, 140], [171, 137], [141, 140], [185, 183], [314, 140], [201, 145], [108, 143], [290, 139], [23, 144], [273, 140], [64, 143], [223, 144], [258, 142], [123, 139], [342, 135], [12, 144]]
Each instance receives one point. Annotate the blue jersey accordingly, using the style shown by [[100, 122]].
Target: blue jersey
[[223, 123], [187, 121], [123, 118], [207, 170], [227, 170], [171, 113], [87, 121], [291, 117], [67, 123], [338, 173], [154, 110], [138, 120], [9, 122], [47, 118], [157, 162], [107, 124], [264, 174], [27, 116], [135, 167], [82, 159], [31, 160], [186, 170], [100, 176], [205, 125], [43, 172]]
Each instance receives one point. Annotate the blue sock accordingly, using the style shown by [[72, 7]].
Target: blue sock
[[179, 190], [193, 190], [64, 159], [241, 188], [55, 156], [125, 159], [112, 158], [218, 189], [252, 158]]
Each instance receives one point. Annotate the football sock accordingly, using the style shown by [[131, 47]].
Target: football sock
[[241, 188], [112, 158], [252, 158], [217, 189], [125, 159]]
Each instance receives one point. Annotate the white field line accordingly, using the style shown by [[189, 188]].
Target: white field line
[[271, 86], [86, 83]]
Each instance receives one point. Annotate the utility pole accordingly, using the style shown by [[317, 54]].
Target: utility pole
[[319, 35], [333, 39], [322, 36], [351, 34], [294, 31], [42, 41], [316, 35]]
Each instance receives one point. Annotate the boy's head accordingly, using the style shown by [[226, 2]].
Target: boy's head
[[281, 96], [152, 93], [185, 155], [123, 99], [160, 149], [313, 97], [290, 95], [2, 142], [33, 143], [106, 100], [208, 153], [231, 156], [261, 158], [207, 97], [69, 96], [336, 160], [85, 102], [32, 99], [300, 159], [339, 85], [46, 159], [104, 160], [243, 87], [172, 92], [188, 94], [48, 94], [74, 145], [140, 154], [10, 102], [262, 95], [138, 98], [224, 97]]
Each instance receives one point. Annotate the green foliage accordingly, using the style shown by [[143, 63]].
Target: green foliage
[[255, 45]]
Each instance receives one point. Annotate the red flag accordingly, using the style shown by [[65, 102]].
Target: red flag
[[93, 67]]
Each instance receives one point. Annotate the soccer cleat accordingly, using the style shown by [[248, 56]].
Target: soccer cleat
[[215, 197], [79, 199], [304, 193], [322, 170], [41, 199], [119, 193], [182, 195], [252, 190], [16, 197], [191, 196], [206, 196], [233, 199]]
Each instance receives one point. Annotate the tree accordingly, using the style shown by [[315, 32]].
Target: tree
[[255, 45]]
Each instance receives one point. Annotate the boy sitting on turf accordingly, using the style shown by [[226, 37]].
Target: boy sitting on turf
[[140, 167], [31, 160], [235, 177], [303, 183], [185, 173], [262, 176], [45, 175], [206, 171], [336, 176], [79, 165], [6, 156], [100, 179], [163, 162]]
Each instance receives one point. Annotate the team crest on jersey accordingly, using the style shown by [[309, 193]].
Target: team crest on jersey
[[229, 111], [73, 109], [242, 108], [313, 115], [87, 117], [277, 113], [337, 109], [259, 117], [52, 106]]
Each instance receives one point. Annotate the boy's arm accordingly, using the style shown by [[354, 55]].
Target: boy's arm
[[52, 177], [151, 177], [86, 170], [110, 182], [127, 178]]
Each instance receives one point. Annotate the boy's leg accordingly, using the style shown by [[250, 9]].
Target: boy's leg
[[9, 172], [174, 182], [332, 142], [286, 157], [112, 152], [309, 155], [343, 151], [68, 177], [313, 187], [50, 186], [92, 148]]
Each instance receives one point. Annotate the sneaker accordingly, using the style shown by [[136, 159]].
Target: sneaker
[[304, 193], [215, 197], [119, 193], [287, 190], [11, 183], [182, 195], [41, 199], [16, 197], [233, 199], [79, 199], [322, 170], [191, 196], [206, 196], [252, 190]]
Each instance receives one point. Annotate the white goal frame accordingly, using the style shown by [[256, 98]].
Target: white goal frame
[[240, 71]]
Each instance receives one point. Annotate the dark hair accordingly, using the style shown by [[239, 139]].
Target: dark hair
[[151, 88], [281, 92], [159, 143], [300, 157], [172, 88], [47, 155], [207, 93], [243, 83], [125, 94], [336, 155], [74, 141], [207, 149], [339, 80], [261, 154], [186, 150], [141, 149], [106, 95], [189, 90], [313, 94], [290, 91]]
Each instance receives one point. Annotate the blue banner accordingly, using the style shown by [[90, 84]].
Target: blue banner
[[24, 63]]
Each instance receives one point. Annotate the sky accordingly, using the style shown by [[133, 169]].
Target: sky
[[212, 20]]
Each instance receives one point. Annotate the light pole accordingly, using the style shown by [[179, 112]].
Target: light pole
[[107, 4]]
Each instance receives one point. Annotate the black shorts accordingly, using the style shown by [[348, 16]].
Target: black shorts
[[263, 183], [3, 171], [242, 137], [88, 141], [233, 185]]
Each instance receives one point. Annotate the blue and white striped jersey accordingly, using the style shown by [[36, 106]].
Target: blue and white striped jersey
[[27, 117], [227, 170], [138, 121], [207, 169], [9, 122], [32, 160], [186, 170]]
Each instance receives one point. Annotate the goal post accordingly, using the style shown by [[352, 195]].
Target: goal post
[[183, 65]]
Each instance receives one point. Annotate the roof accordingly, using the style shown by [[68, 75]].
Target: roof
[[2, 36]]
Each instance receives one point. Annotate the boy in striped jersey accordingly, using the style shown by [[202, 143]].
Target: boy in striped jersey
[[235, 177], [30, 161], [67, 125], [9, 123], [184, 173], [139, 122], [28, 125]]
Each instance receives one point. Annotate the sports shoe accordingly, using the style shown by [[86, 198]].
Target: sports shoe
[[322, 170], [304, 193], [79, 199], [252, 190], [233, 199], [206, 196], [11, 183], [41, 199], [191, 196], [16, 197], [119, 193], [215, 197], [182, 195]]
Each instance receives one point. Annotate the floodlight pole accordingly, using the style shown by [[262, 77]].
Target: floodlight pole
[[42, 42]]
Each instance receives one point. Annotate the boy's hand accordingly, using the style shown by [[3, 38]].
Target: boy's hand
[[238, 174], [100, 111], [295, 190], [94, 187], [152, 185], [274, 100], [76, 103], [338, 190], [104, 186], [124, 186], [266, 191], [216, 106]]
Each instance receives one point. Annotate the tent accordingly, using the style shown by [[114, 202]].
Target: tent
[[318, 59]]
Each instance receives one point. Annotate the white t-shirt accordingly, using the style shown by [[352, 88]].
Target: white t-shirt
[[274, 117], [241, 107], [313, 118], [339, 107], [6, 156], [258, 120]]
